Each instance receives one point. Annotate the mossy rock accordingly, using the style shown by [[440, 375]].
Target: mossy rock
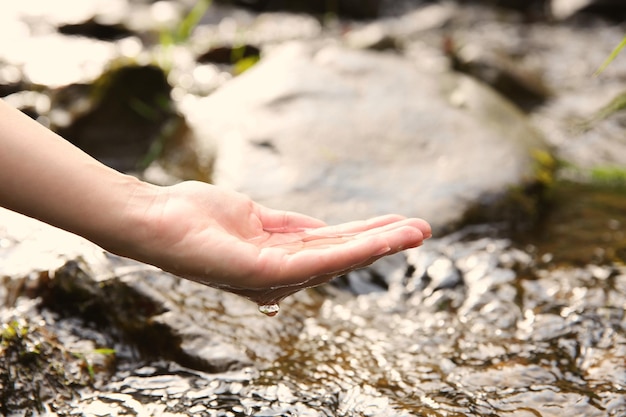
[[129, 109]]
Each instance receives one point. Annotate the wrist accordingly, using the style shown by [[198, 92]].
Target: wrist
[[129, 230]]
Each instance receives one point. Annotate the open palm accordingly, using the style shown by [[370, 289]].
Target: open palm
[[223, 239]]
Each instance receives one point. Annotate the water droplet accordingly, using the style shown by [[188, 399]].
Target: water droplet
[[269, 309]]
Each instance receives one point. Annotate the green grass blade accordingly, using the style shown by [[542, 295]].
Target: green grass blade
[[192, 19], [611, 57]]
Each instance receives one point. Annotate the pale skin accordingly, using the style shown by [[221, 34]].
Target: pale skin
[[194, 230]]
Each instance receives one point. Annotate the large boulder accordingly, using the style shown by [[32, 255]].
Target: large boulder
[[611, 9], [341, 134]]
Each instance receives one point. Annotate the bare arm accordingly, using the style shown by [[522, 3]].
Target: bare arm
[[195, 230], [45, 177]]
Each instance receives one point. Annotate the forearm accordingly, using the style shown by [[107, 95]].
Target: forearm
[[45, 177]]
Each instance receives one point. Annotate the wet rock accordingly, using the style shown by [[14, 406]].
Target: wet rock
[[589, 132], [578, 120], [161, 316], [442, 274], [166, 317], [177, 157], [515, 4], [126, 118], [32, 103], [76, 59], [394, 32], [44, 362], [229, 55], [263, 30], [565, 57], [562, 9], [365, 9], [609, 9], [416, 22], [11, 80], [523, 86], [94, 29], [341, 134], [372, 37]]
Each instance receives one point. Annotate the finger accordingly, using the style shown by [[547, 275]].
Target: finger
[[313, 268], [302, 265], [356, 226], [403, 235], [423, 226], [279, 221], [374, 225], [418, 224], [318, 280], [325, 236]]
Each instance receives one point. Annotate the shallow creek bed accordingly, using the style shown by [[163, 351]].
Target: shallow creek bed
[[469, 324]]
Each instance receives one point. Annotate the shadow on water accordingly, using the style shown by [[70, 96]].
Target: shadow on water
[[582, 224]]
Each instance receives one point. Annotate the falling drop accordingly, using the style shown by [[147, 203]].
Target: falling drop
[[269, 309]]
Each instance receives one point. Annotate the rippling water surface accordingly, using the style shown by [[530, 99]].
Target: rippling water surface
[[472, 326], [468, 324]]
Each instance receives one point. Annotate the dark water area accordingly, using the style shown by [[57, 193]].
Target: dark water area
[[582, 224]]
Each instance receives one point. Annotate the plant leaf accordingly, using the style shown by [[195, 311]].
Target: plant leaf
[[104, 351], [191, 20], [611, 57]]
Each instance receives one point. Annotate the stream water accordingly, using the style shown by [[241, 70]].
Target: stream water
[[471, 324], [475, 323]]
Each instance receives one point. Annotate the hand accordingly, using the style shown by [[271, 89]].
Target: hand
[[223, 239], [195, 230]]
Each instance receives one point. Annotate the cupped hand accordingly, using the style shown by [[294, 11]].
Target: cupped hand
[[223, 239]]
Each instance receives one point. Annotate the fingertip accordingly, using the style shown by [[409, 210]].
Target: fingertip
[[417, 239], [393, 220], [423, 226], [404, 237], [426, 229]]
